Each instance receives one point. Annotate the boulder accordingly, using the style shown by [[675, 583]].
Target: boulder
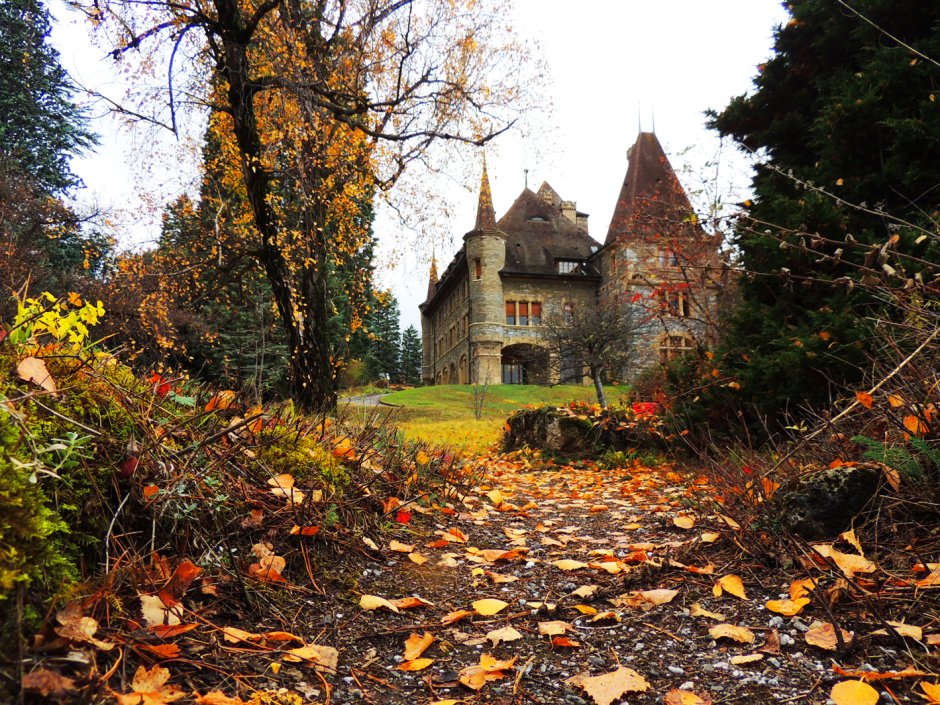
[[823, 504]]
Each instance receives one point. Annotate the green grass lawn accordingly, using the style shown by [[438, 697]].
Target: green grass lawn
[[443, 414]]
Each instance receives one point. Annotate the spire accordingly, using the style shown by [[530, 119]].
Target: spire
[[486, 215], [432, 279]]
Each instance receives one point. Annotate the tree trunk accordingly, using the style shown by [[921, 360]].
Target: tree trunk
[[599, 387]]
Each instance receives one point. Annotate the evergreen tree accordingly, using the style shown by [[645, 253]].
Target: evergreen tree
[[41, 127], [847, 119], [385, 352], [411, 356]]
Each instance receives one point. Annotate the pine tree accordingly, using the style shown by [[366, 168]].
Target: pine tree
[[847, 119], [410, 356], [384, 354]]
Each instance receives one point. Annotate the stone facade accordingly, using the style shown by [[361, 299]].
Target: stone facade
[[483, 319]]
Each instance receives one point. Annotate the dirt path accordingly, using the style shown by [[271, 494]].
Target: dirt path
[[559, 547]]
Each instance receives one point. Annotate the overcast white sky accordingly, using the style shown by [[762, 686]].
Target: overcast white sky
[[613, 63]]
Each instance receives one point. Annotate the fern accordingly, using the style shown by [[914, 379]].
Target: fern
[[897, 457]]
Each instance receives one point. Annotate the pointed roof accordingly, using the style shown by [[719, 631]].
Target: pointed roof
[[651, 195], [486, 214], [548, 194], [432, 279]]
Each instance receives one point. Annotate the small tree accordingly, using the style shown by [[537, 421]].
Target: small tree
[[592, 341], [410, 356]]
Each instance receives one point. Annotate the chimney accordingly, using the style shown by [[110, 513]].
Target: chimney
[[583, 221], [569, 209]]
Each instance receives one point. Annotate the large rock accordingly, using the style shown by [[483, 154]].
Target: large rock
[[559, 432], [823, 504]]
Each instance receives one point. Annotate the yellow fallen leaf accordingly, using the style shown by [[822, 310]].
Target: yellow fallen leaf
[[731, 584], [696, 610], [489, 607], [709, 537], [498, 579], [400, 547], [686, 697], [568, 564], [746, 658], [417, 644], [418, 558], [496, 497], [644, 599], [788, 608], [554, 628], [324, 658], [608, 687], [852, 539], [585, 609], [801, 588], [931, 692], [848, 563], [729, 521], [149, 687], [909, 631], [417, 664], [373, 602], [742, 635], [585, 591], [605, 617], [684, 522], [853, 693]]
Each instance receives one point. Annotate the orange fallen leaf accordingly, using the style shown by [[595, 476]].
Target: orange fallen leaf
[[698, 611], [864, 398], [410, 602], [848, 563], [686, 697], [489, 669], [323, 658], [400, 547], [853, 693], [909, 672], [568, 564], [216, 697], [455, 616], [731, 584], [565, 641], [823, 635], [304, 530], [417, 644], [418, 558], [788, 608], [418, 664], [909, 631], [162, 650], [931, 692]]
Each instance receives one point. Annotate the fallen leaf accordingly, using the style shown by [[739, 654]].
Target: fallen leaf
[[801, 588], [323, 658], [454, 617], [565, 641], [585, 609], [32, 369], [400, 547], [696, 610], [788, 608], [853, 693], [496, 497], [848, 563], [554, 628], [162, 650], [489, 607], [417, 644], [585, 591], [864, 398], [605, 616], [731, 584], [742, 635], [418, 664], [373, 602], [908, 631], [684, 522], [233, 635], [608, 687], [304, 530], [746, 658], [454, 535], [568, 564], [852, 539], [149, 688], [823, 635], [418, 558], [909, 672], [499, 579], [686, 697], [931, 692], [507, 633], [47, 683], [709, 537], [75, 626], [410, 602], [645, 599], [489, 669], [217, 697]]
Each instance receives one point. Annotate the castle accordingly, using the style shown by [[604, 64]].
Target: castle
[[484, 319]]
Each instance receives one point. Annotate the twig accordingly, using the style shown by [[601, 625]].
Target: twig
[[107, 537]]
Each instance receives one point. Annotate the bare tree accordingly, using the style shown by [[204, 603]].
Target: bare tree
[[592, 341]]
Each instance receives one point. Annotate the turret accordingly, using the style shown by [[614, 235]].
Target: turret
[[486, 256], [427, 329]]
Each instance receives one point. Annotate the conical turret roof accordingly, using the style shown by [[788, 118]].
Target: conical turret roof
[[486, 214], [651, 196]]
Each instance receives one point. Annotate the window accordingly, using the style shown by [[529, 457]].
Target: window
[[673, 346], [513, 373], [535, 314], [510, 313], [523, 318], [567, 266], [668, 258], [674, 303], [477, 268], [568, 312]]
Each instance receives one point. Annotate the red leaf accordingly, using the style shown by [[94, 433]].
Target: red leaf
[[403, 516]]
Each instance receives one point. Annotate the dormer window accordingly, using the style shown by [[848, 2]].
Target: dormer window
[[538, 219], [567, 266]]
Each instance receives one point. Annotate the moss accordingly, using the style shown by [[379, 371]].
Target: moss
[[302, 457]]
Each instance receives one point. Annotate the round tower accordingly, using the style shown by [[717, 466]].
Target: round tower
[[486, 255]]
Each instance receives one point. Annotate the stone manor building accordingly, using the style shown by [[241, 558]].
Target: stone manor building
[[484, 317]]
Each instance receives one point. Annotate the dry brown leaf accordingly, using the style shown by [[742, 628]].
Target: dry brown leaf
[[498, 579], [731, 584], [417, 644], [853, 693], [48, 683], [823, 635], [742, 635], [32, 369], [373, 602], [507, 633], [686, 697], [489, 607], [150, 688], [608, 687], [75, 626], [788, 608], [418, 664], [698, 611]]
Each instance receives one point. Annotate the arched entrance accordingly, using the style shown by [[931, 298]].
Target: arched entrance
[[524, 364]]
